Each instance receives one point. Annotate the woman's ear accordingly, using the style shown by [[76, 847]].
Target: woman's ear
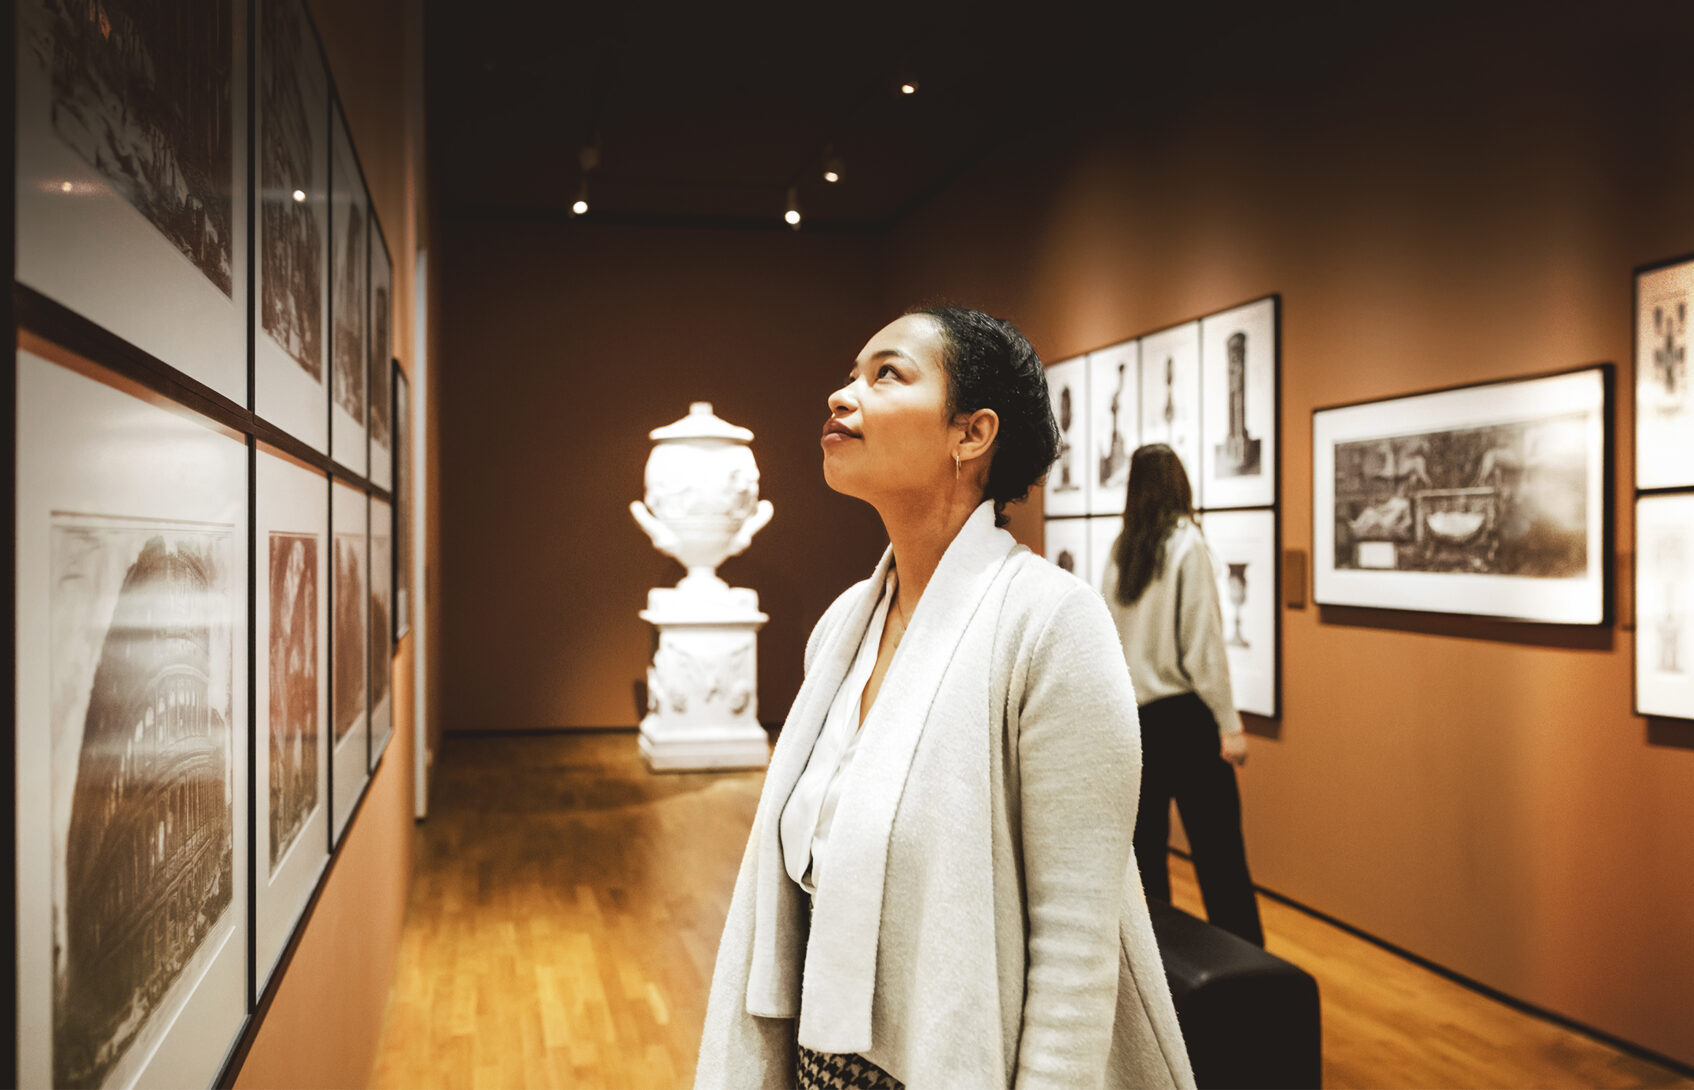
[[981, 428]]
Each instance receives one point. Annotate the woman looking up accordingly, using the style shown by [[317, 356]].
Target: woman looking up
[[936, 890], [1162, 595]]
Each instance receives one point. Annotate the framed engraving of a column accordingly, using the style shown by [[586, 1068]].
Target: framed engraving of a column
[[1170, 395], [1238, 397], [1489, 500], [132, 174], [380, 368], [382, 628], [291, 334], [1664, 605], [402, 503], [1067, 545], [349, 305], [1066, 489], [1664, 406], [1243, 546], [290, 698], [1114, 383], [132, 733], [349, 649]]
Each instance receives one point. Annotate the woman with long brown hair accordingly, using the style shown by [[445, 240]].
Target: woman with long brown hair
[[1161, 592]]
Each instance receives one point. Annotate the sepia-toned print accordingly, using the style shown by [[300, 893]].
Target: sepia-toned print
[[1503, 499], [293, 688], [381, 349], [382, 624], [292, 99], [1238, 453], [347, 289], [142, 653], [142, 92], [348, 682]]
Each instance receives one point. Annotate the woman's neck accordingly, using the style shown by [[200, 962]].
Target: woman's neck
[[919, 533]]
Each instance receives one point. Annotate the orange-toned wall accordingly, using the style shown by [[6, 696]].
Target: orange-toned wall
[[324, 1022], [1462, 201], [563, 345]]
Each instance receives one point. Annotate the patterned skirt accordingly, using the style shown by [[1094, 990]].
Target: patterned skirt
[[840, 1071]]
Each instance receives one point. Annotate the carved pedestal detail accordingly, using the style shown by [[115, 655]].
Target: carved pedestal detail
[[702, 686]]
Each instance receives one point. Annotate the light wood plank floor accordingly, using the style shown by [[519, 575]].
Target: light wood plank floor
[[567, 907]]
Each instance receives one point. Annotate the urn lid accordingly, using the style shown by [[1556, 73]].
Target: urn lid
[[700, 423]]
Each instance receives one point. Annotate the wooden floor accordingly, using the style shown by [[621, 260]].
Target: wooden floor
[[567, 907]]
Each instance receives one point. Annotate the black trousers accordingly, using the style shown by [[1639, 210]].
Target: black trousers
[[1180, 761]]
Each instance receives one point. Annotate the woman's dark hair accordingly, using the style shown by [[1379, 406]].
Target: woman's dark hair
[[1159, 495], [991, 366]]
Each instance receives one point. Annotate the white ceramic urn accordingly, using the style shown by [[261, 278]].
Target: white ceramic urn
[[702, 501]]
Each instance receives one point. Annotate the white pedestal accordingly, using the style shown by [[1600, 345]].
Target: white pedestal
[[702, 687]]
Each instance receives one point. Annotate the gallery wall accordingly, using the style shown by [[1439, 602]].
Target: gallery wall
[[564, 344], [1443, 202], [324, 1022]]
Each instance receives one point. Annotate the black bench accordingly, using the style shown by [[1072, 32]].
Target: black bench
[[1250, 1019]]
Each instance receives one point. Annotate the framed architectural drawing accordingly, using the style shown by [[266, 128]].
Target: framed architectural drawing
[[1664, 605], [349, 303], [382, 628], [349, 650], [1067, 545], [1170, 395], [1243, 547], [1488, 500], [132, 175], [402, 503], [1103, 533], [1238, 395], [291, 273], [132, 732], [381, 367], [1066, 488], [1115, 385], [290, 699], [1664, 407]]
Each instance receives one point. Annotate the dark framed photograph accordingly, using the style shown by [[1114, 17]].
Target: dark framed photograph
[[1066, 544], [1065, 490], [1487, 500], [290, 698], [349, 302], [402, 502], [349, 650], [1239, 369], [1664, 605], [1664, 405], [1244, 554], [132, 177], [1114, 380], [291, 270], [132, 740], [381, 366], [381, 628]]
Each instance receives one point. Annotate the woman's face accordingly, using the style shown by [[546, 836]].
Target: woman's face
[[888, 431]]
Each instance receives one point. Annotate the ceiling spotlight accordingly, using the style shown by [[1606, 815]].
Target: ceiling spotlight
[[792, 215], [299, 196], [580, 205], [908, 86], [832, 166], [65, 187]]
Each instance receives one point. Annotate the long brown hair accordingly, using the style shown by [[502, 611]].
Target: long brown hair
[[1159, 495]]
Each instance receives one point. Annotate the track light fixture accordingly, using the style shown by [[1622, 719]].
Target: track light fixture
[[833, 167], [580, 205], [792, 215], [587, 158]]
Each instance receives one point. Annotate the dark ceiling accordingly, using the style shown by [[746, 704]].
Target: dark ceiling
[[705, 113]]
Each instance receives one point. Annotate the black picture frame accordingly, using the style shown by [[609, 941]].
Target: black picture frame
[[402, 503]]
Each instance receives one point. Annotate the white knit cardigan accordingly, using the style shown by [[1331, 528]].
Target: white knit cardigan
[[981, 922]]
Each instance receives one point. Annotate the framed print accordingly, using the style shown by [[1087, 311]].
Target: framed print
[[1243, 547], [1664, 409], [349, 650], [132, 176], [1487, 500], [402, 503], [349, 315], [1103, 533], [291, 302], [381, 367], [382, 628], [1066, 488], [1067, 545], [290, 699], [1238, 398], [1170, 396], [132, 733], [1114, 380], [1664, 605]]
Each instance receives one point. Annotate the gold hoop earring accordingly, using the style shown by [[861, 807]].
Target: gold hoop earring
[[955, 465]]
